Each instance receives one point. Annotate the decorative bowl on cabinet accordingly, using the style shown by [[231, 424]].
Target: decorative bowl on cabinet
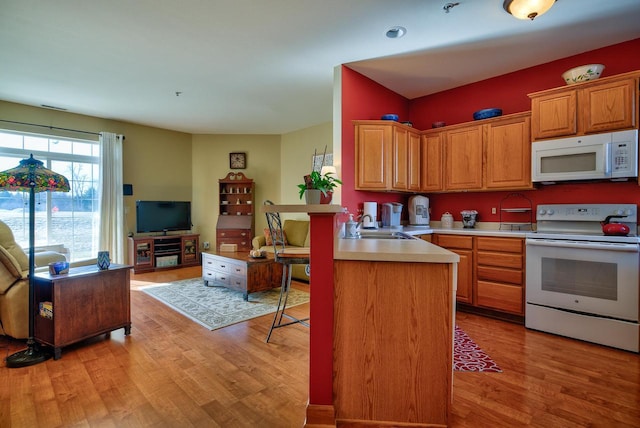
[[582, 73]]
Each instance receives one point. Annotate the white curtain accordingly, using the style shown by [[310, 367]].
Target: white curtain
[[111, 200]]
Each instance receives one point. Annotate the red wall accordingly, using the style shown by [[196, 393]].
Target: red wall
[[365, 99]]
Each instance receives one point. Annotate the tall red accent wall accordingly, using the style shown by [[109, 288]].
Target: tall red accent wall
[[365, 99]]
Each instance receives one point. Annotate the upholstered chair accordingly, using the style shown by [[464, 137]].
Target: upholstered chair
[[14, 283]]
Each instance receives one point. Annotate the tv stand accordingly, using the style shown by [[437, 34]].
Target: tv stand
[[151, 253]]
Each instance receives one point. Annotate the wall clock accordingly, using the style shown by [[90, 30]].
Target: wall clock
[[237, 160]]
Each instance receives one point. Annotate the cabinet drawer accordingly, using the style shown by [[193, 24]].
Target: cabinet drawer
[[455, 241], [221, 278], [503, 297], [234, 233], [505, 245], [208, 274], [513, 261], [237, 269], [237, 282], [242, 244], [215, 264], [497, 274]]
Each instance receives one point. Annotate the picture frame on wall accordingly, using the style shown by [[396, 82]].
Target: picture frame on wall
[[316, 162]]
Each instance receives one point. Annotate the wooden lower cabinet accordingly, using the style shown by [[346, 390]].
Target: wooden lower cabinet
[[500, 274], [85, 303], [393, 339], [462, 246], [491, 273]]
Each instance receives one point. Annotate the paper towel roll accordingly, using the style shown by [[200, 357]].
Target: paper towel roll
[[370, 208]]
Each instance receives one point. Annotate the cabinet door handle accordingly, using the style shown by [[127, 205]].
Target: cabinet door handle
[[222, 234], [223, 266], [243, 234]]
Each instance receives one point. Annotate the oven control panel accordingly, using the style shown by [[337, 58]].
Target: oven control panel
[[587, 212]]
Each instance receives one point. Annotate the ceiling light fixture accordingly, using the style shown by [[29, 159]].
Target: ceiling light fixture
[[527, 9], [396, 32], [447, 7]]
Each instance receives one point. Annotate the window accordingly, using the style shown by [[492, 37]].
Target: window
[[71, 219]]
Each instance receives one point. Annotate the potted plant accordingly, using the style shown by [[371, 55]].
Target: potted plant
[[318, 188]]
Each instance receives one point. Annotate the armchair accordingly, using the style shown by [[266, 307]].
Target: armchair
[[14, 283]]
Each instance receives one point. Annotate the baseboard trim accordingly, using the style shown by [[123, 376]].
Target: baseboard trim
[[320, 416]]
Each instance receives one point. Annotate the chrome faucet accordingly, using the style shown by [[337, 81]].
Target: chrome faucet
[[362, 219]]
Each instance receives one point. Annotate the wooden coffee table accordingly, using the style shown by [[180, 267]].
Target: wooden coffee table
[[240, 272]]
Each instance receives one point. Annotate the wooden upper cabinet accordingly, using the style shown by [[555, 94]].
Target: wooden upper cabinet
[[609, 106], [463, 149], [508, 153], [554, 115], [387, 156], [606, 104], [413, 161], [431, 164], [373, 154], [400, 154]]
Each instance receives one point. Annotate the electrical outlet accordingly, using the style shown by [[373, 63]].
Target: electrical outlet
[[205, 245], [493, 210]]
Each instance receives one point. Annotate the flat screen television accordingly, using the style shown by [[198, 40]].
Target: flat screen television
[[162, 216]]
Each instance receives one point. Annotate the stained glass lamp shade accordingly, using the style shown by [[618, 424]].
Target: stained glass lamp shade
[[31, 176]]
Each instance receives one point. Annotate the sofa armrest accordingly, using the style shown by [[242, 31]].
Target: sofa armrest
[[43, 258], [258, 241]]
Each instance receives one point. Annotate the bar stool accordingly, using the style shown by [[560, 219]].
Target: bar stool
[[287, 257]]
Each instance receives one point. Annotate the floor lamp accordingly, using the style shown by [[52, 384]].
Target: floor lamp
[[31, 176]]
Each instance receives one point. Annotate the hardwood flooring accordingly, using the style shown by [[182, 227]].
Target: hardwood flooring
[[171, 372]]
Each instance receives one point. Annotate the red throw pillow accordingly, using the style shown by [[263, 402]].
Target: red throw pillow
[[267, 236]]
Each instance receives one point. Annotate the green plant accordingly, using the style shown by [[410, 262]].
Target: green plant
[[323, 182]]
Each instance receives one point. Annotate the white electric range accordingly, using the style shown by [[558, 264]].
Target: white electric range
[[581, 283]]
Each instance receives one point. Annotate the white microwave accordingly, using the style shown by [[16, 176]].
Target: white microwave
[[611, 155]]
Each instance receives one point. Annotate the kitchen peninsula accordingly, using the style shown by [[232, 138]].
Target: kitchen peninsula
[[393, 332], [381, 341]]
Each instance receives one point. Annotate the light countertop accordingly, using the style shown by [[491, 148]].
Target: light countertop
[[481, 229], [392, 250], [413, 250]]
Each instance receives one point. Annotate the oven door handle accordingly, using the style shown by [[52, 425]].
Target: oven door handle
[[629, 248]]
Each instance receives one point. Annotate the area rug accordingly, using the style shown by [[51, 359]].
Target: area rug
[[217, 307], [468, 357]]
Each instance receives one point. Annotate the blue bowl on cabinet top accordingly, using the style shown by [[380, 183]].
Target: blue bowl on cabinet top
[[58, 268], [487, 113], [390, 117]]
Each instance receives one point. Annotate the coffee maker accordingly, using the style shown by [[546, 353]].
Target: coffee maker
[[419, 211], [391, 214]]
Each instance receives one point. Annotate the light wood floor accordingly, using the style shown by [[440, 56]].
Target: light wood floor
[[172, 372]]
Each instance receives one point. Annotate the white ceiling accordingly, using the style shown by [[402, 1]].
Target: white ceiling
[[266, 67]]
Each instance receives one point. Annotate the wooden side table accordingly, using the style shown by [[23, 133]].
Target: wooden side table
[[240, 272], [85, 303]]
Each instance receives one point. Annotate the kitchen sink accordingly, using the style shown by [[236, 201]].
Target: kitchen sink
[[385, 235]]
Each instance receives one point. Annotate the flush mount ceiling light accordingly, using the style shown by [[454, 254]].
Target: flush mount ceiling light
[[527, 9], [396, 32]]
